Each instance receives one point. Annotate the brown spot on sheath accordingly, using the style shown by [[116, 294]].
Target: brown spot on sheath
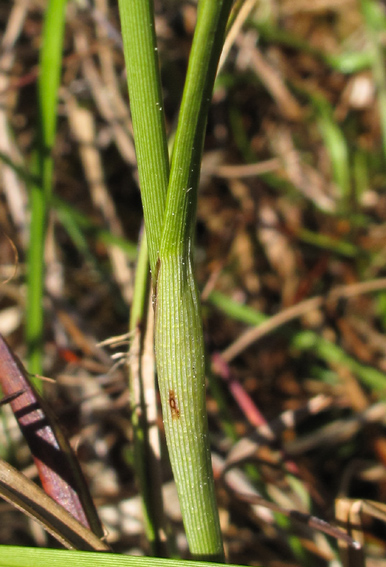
[[173, 405]]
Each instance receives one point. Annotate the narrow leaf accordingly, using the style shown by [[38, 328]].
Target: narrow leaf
[[22, 493], [58, 468]]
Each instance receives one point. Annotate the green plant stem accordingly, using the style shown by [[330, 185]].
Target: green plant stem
[[146, 105], [40, 191], [142, 389], [180, 214], [179, 336], [144, 83]]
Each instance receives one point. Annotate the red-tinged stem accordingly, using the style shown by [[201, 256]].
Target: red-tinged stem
[[58, 468]]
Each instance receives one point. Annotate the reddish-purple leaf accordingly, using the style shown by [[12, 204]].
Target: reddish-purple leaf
[[58, 468]]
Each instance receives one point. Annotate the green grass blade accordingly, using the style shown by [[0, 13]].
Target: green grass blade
[[12, 556], [334, 355], [79, 226], [305, 341], [35, 280], [143, 77], [40, 192], [50, 71], [345, 62], [336, 145], [326, 242]]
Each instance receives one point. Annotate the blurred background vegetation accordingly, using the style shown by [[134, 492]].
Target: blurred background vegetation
[[292, 206]]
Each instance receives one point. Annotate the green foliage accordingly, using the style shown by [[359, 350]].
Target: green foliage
[[170, 229], [13, 556], [41, 189]]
